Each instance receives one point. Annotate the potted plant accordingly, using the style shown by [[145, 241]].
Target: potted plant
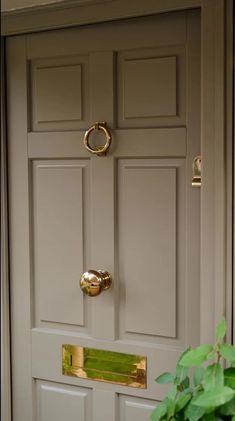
[[208, 393]]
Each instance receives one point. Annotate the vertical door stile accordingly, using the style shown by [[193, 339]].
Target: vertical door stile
[[102, 194], [102, 87], [192, 193], [19, 228], [104, 405], [102, 244]]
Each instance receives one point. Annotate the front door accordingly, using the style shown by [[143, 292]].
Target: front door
[[131, 212]]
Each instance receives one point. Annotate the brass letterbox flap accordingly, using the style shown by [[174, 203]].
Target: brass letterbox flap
[[105, 366]]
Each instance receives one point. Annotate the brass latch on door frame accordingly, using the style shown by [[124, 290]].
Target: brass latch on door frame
[[197, 166]]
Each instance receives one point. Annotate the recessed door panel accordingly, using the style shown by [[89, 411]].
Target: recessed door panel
[[59, 93], [154, 283], [151, 87], [56, 402], [60, 190], [147, 246], [135, 409]]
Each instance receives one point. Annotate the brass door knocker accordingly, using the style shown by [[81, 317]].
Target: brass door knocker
[[101, 150]]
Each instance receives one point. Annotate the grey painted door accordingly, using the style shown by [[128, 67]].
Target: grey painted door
[[132, 212]]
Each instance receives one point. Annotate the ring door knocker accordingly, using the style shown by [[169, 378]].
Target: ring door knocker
[[101, 150]]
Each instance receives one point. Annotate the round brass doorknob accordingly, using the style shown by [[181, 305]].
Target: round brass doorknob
[[93, 282]]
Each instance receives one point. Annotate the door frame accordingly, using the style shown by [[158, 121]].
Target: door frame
[[216, 129], [5, 286]]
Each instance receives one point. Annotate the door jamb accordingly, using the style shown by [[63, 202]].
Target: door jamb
[[5, 287], [216, 250]]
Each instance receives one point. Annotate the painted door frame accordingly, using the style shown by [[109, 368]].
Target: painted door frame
[[216, 139], [5, 287]]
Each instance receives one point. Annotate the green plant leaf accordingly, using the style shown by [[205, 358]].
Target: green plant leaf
[[214, 398], [198, 375], [181, 374], [184, 384], [193, 412], [196, 356], [172, 392], [183, 354], [212, 354], [170, 408], [209, 417], [228, 408], [165, 378], [214, 377], [228, 352], [221, 329], [182, 401], [159, 411], [229, 377]]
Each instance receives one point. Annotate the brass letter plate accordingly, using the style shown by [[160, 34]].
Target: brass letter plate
[[104, 366]]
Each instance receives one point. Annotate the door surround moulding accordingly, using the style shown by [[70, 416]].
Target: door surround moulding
[[214, 217], [68, 13]]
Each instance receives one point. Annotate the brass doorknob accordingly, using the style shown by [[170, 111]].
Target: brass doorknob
[[93, 282]]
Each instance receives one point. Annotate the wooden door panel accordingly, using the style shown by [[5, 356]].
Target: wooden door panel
[[154, 284], [135, 409], [56, 402], [59, 93], [147, 247], [152, 92], [60, 195], [151, 87]]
